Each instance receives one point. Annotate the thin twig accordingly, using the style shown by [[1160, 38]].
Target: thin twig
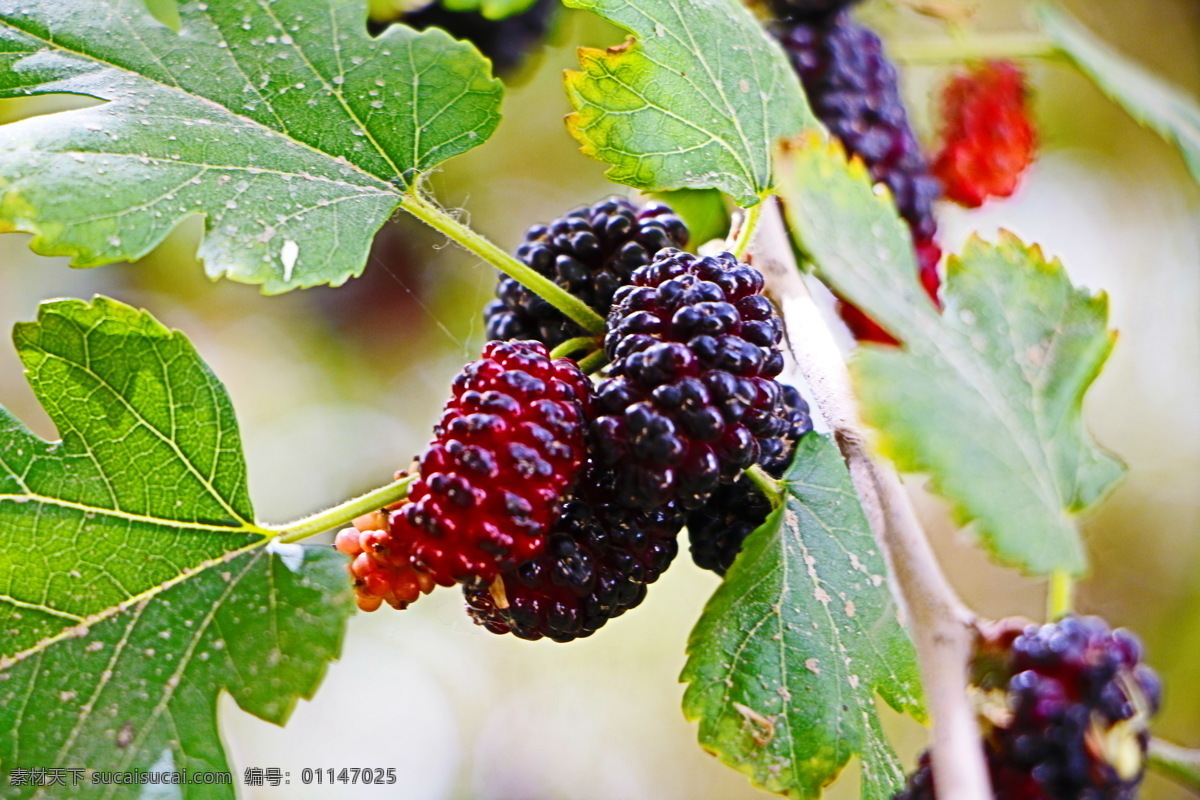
[[1177, 763], [943, 51], [747, 227], [429, 212], [344, 513], [942, 627]]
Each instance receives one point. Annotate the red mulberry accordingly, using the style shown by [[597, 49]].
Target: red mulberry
[[591, 252], [988, 137], [509, 446]]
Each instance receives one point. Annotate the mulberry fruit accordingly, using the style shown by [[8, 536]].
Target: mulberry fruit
[[988, 138], [591, 252], [692, 395], [505, 42], [381, 571], [510, 444], [598, 560], [854, 91], [717, 529], [1065, 710]]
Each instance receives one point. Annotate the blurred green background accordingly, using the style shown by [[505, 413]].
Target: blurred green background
[[336, 389]]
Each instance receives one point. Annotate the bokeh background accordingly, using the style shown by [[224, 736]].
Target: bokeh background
[[337, 388]]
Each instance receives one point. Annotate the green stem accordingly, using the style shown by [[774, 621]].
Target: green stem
[[593, 362], [976, 48], [1060, 594], [433, 216], [344, 513], [573, 346], [745, 234], [771, 488], [1177, 763]]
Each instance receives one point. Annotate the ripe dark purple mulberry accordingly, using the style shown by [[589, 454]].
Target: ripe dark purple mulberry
[[591, 252], [598, 560], [508, 448], [692, 397], [505, 41], [854, 91], [717, 529], [1066, 709]]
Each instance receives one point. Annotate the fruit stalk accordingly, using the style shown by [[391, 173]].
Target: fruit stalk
[[1060, 594], [1177, 763], [976, 48], [344, 513], [771, 488], [943, 628], [747, 227], [432, 215]]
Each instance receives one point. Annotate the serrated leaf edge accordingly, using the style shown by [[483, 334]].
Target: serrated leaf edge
[[886, 444], [43, 242]]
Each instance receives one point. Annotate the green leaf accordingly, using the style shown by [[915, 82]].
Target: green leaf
[[851, 232], [697, 100], [137, 688], [786, 660], [134, 583], [1163, 108], [985, 397], [285, 124]]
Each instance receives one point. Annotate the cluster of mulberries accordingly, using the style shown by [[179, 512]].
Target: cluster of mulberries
[[1065, 709], [506, 41], [555, 504], [987, 136]]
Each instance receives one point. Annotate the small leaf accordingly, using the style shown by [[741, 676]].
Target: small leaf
[[985, 397], [1163, 108], [285, 124], [785, 662], [134, 583], [697, 100]]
